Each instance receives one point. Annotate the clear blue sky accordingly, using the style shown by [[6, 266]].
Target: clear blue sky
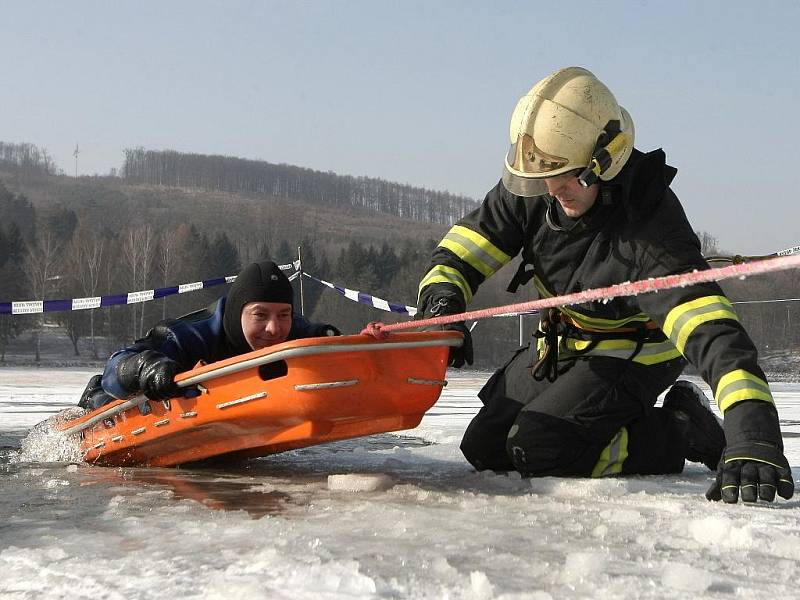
[[416, 91]]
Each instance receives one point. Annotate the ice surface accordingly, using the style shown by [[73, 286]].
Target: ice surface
[[356, 482], [419, 522]]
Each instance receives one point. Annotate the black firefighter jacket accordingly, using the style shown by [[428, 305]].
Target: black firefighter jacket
[[637, 229]]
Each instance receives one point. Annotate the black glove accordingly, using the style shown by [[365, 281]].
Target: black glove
[[758, 468], [150, 373], [449, 306], [462, 354], [94, 396]]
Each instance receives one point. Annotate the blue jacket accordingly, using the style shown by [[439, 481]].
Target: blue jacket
[[195, 337]]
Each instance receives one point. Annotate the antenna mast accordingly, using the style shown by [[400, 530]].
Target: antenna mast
[[75, 154]]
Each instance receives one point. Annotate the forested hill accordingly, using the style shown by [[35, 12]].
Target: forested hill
[[261, 178]]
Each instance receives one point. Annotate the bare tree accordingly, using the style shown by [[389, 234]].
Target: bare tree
[[138, 250], [85, 258], [167, 256], [41, 268], [708, 243]]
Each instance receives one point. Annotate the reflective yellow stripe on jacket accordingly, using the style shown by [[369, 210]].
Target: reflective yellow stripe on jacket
[[444, 274], [651, 353], [475, 250], [740, 385], [596, 323], [587, 322], [682, 320]]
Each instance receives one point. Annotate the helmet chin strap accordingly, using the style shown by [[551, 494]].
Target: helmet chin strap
[[609, 144]]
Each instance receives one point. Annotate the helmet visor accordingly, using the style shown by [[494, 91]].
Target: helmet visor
[[527, 187], [526, 158], [527, 166]]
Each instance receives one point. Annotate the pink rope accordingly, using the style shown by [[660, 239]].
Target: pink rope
[[654, 284]]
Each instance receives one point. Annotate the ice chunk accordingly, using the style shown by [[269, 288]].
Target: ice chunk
[[681, 576], [580, 488], [600, 531], [580, 565], [711, 530], [54, 483], [623, 516], [359, 482], [443, 568], [721, 531], [481, 588]]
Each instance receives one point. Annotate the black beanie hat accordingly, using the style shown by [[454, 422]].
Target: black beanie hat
[[258, 282]]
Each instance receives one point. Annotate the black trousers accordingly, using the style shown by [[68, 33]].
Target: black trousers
[[562, 428]]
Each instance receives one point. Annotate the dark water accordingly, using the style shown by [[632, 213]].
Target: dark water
[[220, 483]]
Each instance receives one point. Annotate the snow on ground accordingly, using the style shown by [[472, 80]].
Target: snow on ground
[[389, 516]]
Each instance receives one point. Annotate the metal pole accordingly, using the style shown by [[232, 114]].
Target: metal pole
[[521, 331], [300, 270]]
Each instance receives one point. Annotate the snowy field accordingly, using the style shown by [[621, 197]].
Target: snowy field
[[390, 516]]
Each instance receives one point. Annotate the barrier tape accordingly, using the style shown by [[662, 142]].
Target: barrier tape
[[788, 251], [28, 307], [364, 298], [654, 284], [739, 258]]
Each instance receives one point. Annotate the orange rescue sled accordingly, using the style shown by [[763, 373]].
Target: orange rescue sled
[[291, 395]]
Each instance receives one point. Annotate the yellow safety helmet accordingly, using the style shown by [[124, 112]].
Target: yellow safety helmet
[[569, 120]]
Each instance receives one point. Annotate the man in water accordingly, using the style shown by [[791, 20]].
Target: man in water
[[256, 313]]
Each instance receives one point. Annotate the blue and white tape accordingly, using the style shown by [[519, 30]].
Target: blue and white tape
[[788, 251], [43, 306], [29, 307], [364, 298]]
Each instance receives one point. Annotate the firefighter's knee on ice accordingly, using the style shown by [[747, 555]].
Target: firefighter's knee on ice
[[485, 448], [535, 447]]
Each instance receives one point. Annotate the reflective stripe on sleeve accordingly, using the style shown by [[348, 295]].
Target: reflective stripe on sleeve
[[474, 249], [740, 385], [682, 320], [445, 274]]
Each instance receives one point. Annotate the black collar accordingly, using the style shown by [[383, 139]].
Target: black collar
[[557, 219]]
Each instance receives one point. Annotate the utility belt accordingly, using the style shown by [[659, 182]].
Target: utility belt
[[559, 333]]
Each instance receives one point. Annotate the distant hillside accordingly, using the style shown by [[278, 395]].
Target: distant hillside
[[263, 179], [111, 205]]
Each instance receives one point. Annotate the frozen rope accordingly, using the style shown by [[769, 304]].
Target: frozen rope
[[781, 263]]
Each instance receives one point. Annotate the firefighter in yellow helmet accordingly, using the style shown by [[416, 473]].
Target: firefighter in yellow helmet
[[585, 209]]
